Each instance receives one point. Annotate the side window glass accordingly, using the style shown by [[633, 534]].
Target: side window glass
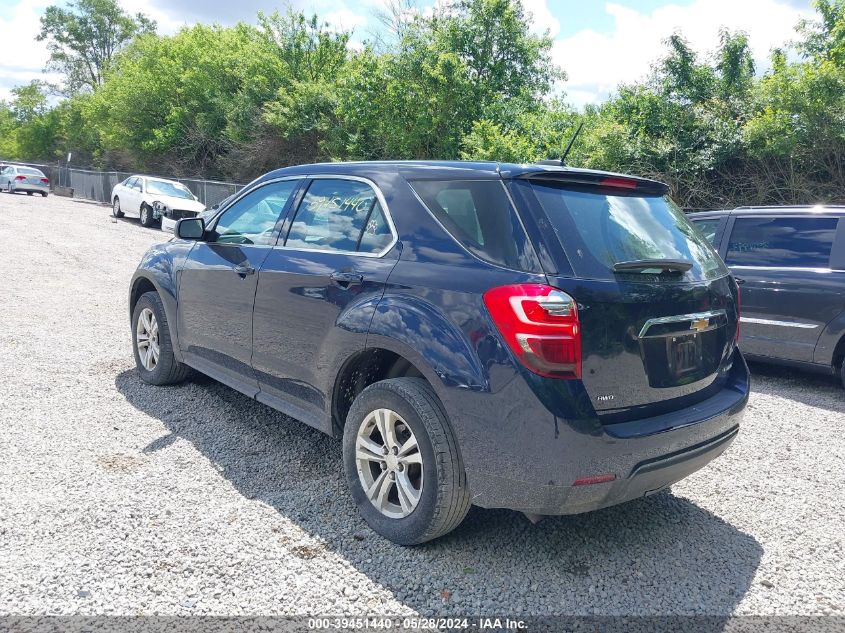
[[376, 235], [130, 183], [796, 242], [479, 215], [340, 215], [251, 219], [708, 228]]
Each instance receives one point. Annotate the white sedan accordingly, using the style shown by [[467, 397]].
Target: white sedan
[[154, 199]]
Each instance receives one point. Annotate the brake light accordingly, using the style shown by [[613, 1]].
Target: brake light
[[618, 183], [540, 325], [738, 312], [20, 177], [46, 181]]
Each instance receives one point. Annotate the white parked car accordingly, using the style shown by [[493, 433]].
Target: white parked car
[[154, 200]]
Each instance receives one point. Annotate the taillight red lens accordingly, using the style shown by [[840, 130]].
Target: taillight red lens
[[20, 177], [540, 325], [618, 183], [46, 181]]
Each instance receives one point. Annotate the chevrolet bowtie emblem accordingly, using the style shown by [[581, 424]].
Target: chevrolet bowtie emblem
[[699, 325]]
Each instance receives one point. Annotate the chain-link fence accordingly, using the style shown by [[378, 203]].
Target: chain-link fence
[[97, 185]]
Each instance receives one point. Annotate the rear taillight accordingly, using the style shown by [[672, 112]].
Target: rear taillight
[[20, 177], [46, 181], [540, 325], [618, 183], [738, 312]]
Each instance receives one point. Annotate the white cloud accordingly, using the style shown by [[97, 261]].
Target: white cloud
[[167, 24], [542, 18], [21, 56], [596, 63], [345, 20]]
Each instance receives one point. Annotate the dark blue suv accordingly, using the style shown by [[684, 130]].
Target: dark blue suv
[[534, 337]]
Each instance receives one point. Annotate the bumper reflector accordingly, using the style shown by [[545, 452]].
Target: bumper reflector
[[597, 479]]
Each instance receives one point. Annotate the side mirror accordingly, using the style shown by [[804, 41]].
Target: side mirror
[[189, 229]]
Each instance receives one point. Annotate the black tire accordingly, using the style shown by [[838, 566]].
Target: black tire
[[444, 499], [115, 208], [147, 219], [43, 194], [29, 193], [842, 373], [168, 371]]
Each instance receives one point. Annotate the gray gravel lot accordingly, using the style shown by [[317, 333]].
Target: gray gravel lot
[[121, 498]]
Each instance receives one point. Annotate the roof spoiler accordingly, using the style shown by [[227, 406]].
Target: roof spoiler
[[601, 180]]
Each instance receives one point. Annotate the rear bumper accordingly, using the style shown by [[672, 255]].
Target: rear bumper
[[542, 459], [31, 188]]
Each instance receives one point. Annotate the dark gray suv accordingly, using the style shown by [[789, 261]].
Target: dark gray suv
[[790, 265]]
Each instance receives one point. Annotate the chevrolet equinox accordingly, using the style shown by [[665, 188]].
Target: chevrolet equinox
[[534, 337]]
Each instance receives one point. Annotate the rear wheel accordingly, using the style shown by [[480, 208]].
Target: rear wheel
[[43, 194], [151, 343], [842, 373], [29, 193], [147, 215], [115, 208], [402, 463]]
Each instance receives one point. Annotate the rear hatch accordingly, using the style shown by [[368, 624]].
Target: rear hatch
[[657, 308]]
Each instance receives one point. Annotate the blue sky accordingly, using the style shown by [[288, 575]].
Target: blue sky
[[598, 43]]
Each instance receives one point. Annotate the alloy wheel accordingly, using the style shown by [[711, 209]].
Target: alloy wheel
[[146, 339], [389, 463]]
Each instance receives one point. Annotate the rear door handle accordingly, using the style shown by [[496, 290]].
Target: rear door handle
[[244, 269], [346, 279]]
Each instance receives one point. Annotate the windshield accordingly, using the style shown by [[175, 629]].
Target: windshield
[[599, 228], [174, 189]]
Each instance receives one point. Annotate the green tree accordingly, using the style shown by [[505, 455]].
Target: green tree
[[84, 37], [824, 38]]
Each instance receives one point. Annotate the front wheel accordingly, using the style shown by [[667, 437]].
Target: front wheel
[[115, 208], [151, 343], [402, 462], [147, 219]]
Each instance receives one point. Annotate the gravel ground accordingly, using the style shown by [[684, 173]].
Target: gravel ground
[[121, 498]]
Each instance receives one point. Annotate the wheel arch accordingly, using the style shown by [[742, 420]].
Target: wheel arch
[[830, 346], [145, 281], [366, 367]]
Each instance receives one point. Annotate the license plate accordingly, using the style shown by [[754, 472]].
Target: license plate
[[684, 354]]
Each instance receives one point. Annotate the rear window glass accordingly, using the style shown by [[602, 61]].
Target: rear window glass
[[599, 228], [798, 242], [479, 215], [29, 172]]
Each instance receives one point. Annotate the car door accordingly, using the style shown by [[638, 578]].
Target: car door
[[5, 175], [218, 280], [130, 201], [782, 263], [317, 292]]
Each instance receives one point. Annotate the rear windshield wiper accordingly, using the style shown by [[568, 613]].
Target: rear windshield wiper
[[648, 265]]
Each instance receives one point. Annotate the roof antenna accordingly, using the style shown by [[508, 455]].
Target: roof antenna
[[571, 143], [562, 161]]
